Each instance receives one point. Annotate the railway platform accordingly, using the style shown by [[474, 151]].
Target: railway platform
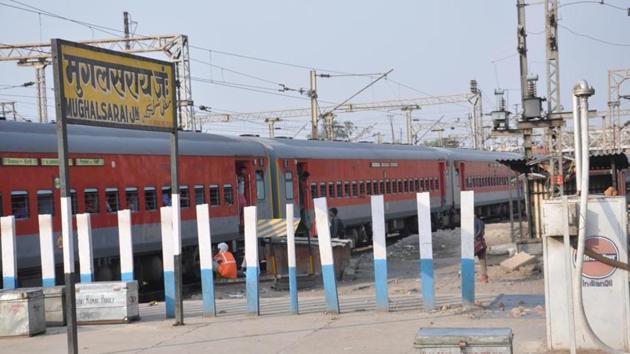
[[358, 329]]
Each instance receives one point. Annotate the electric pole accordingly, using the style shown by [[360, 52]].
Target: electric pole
[[126, 26], [391, 125], [313, 94], [42, 101], [271, 122], [329, 124], [408, 110]]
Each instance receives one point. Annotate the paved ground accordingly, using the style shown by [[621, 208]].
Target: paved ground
[[359, 329]]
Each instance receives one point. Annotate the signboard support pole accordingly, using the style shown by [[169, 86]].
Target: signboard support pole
[[177, 230]]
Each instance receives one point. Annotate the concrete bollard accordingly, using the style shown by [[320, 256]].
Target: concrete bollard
[[326, 254], [293, 291], [380, 252], [205, 260], [86, 257], [467, 205], [126, 245], [9, 252], [168, 266], [47, 250], [426, 250], [251, 260]]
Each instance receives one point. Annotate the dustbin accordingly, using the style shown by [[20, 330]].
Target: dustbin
[[55, 306], [22, 312]]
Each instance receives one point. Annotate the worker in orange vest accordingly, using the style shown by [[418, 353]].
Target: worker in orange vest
[[224, 262]]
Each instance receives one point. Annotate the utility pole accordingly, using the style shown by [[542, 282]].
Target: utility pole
[[408, 110], [42, 101], [391, 125], [554, 133], [313, 94], [329, 124], [4, 110], [271, 122], [126, 26]]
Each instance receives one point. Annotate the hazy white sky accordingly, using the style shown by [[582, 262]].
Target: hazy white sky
[[435, 47]]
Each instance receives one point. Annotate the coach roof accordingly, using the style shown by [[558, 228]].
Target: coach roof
[[478, 155], [330, 150], [39, 137]]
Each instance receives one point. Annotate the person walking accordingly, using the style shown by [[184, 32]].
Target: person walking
[[480, 248]]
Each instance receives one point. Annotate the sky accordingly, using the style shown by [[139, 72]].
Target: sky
[[434, 46]]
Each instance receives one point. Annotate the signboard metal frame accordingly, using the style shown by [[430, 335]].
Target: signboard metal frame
[[62, 144]]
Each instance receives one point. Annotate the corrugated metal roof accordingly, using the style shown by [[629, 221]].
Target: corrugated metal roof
[[37, 137]]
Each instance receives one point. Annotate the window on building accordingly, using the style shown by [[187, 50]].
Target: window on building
[[150, 198], [322, 189], [184, 196], [260, 185], [200, 194], [288, 185], [45, 202], [215, 197], [90, 197], [133, 201], [346, 189], [339, 190], [19, 205], [166, 196], [331, 189], [112, 200], [361, 188], [74, 201], [228, 194], [355, 190], [313, 190]]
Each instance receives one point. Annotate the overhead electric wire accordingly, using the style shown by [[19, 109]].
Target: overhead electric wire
[[588, 36], [594, 3]]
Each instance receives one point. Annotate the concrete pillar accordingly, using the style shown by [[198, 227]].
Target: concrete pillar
[[9, 252], [293, 290], [125, 244], [326, 254], [468, 246], [205, 259], [86, 257], [47, 250], [423, 201], [380, 252], [251, 259], [168, 266]]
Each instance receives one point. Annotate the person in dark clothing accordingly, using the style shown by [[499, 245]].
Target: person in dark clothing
[[481, 247], [336, 225]]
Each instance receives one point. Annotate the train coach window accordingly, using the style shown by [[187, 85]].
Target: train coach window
[[394, 187], [74, 202], [417, 183], [355, 191], [45, 204], [132, 198], [90, 197], [215, 198], [339, 190], [260, 185], [362, 188], [200, 194], [228, 194], [368, 188], [406, 186], [111, 200], [19, 205], [375, 189], [150, 198], [346, 190], [184, 196], [322, 189], [288, 185], [166, 196], [388, 187], [331, 190], [1, 207], [313, 190]]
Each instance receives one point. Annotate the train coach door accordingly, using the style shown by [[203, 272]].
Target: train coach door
[[243, 189], [303, 198]]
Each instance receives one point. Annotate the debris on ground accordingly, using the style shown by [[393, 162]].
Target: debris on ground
[[518, 260]]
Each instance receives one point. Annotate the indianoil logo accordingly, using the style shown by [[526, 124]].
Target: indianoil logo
[[594, 269]]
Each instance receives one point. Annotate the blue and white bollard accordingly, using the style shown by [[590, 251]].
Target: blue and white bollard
[[293, 291], [426, 250], [126, 245], [467, 205], [251, 259], [9, 252], [205, 260], [168, 266], [47, 250], [380, 252], [86, 258], [326, 254]]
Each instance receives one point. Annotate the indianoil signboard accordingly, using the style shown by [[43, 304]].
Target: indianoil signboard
[[108, 88]]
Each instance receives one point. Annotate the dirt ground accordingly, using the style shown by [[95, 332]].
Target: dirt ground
[[404, 270]]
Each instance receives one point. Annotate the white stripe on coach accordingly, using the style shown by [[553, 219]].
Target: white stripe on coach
[[378, 227], [323, 231]]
